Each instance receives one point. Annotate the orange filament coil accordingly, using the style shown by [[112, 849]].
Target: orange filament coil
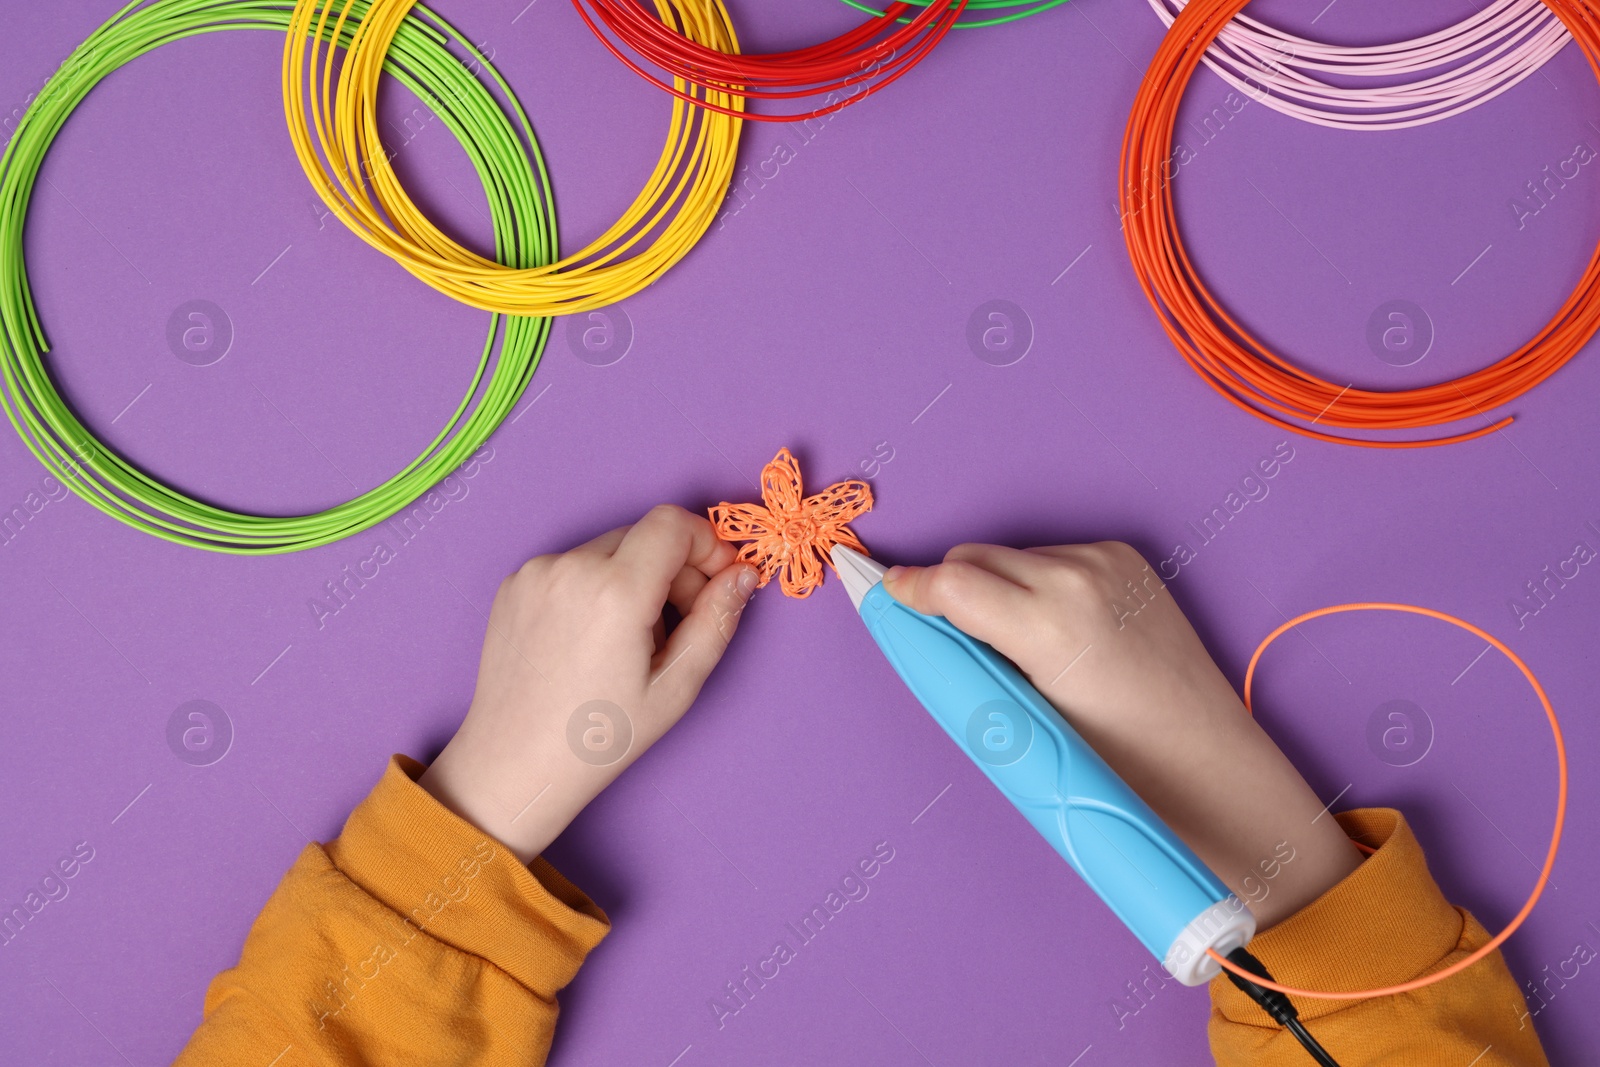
[[1240, 367], [337, 140]]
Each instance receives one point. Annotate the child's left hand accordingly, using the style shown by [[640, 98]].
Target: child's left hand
[[578, 676]]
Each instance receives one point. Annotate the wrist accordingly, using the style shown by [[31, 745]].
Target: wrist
[[1207, 768], [523, 799]]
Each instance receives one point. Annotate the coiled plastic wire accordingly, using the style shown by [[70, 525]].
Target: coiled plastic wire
[[1009, 10], [1240, 367], [842, 71], [333, 123], [1385, 86], [524, 226]]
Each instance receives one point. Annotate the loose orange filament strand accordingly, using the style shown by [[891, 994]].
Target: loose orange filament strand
[[1555, 832]]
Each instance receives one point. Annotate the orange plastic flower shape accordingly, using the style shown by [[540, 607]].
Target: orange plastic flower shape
[[790, 537]]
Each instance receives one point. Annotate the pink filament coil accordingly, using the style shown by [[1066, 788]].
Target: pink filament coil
[[1384, 86]]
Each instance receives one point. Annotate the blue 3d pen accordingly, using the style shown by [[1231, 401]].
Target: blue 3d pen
[[1158, 887], [1155, 884]]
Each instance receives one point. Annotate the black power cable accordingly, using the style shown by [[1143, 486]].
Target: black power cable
[[1275, 1004]]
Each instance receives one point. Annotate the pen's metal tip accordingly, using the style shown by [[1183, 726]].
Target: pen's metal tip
[[859, 573]]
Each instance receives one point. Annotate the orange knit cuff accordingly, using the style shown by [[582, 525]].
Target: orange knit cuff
[[460, 886], [1386, 922]]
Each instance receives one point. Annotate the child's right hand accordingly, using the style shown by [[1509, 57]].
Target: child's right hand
[[1095, 631]]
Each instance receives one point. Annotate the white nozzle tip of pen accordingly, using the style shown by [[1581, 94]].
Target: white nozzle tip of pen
[[858, 573]]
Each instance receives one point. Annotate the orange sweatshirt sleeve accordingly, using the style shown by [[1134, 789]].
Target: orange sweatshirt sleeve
[[413, 938], [1386, 923]]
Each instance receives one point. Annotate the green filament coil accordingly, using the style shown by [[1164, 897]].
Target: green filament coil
[[503, 150], [1009, 10]]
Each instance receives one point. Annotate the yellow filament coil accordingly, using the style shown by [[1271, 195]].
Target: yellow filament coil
[[351, 172]]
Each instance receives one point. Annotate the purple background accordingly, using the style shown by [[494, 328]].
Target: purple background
[[827, 314]]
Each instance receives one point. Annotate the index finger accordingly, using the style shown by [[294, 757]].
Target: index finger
[[667, 540], [976, 600]]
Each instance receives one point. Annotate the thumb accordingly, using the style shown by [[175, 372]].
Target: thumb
[[696, 645], [975, 600]]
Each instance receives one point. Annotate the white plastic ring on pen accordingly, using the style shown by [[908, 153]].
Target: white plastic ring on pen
[[1385, 86]]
